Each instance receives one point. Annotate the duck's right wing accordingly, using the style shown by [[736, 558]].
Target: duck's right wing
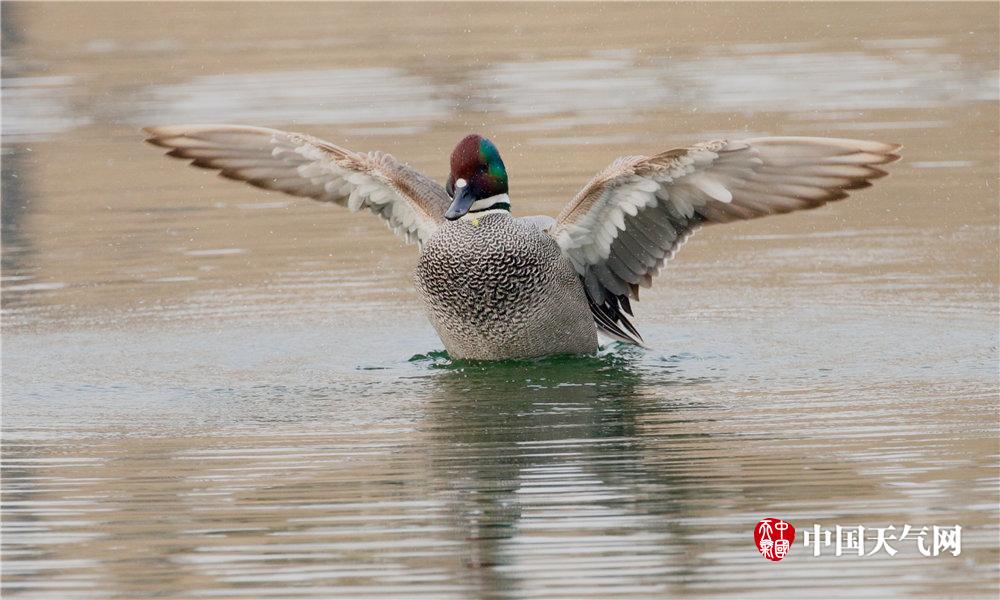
[[412, 204], [630, 219]]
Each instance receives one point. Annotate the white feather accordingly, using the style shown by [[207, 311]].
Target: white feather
[[713, 188], [355, 201]]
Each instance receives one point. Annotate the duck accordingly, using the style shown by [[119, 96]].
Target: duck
[[499, 287]]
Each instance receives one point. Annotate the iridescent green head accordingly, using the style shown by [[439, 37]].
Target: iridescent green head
[[477, 173]]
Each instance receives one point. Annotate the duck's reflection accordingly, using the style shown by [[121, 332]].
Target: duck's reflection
[[543, 461], [603, 474]]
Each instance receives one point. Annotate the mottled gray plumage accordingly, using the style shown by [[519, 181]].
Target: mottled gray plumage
[[497, 287]]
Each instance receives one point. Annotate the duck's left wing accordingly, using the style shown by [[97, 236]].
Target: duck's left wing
[[412, 204], [630, 219], [540, 222]]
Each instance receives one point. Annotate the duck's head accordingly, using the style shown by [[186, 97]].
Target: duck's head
[[478, 179]]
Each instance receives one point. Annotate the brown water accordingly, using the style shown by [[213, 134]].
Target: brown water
[[210, 391]]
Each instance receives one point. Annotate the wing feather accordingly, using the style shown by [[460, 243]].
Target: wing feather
[[632, 217], [301, 165]]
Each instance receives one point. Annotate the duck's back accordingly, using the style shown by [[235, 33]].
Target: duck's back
[[498, 287]]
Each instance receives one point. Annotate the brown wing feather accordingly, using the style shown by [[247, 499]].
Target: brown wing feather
[[301, 165], [631, 218]]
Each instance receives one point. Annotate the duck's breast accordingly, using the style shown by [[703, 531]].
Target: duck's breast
[[497, 287]]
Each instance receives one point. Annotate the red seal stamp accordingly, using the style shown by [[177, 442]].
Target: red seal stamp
[[774, 538]]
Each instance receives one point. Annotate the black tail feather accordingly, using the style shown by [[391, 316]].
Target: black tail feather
[[611, 319]]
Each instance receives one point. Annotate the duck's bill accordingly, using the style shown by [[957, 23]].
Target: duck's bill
[[461, 205]]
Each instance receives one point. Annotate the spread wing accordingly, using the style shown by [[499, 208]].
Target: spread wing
[[630, 219], [412, 204]]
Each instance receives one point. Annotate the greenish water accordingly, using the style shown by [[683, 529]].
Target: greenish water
[[213, 463]]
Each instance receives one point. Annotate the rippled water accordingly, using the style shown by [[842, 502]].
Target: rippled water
[[209, 391]]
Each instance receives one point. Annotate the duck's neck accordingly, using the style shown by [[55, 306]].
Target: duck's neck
[[494, 204]]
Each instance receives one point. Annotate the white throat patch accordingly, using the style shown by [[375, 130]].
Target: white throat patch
[[483, 206]]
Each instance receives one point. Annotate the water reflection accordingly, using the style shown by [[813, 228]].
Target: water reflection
[[39, 107], [366, 95], [583, 90], [15, 261], [542, 461], [13, 194], [524, 451], [764, 78], [588, 477]]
